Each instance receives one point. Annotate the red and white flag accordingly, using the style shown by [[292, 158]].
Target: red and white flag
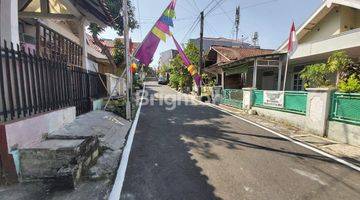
[[293, 43]]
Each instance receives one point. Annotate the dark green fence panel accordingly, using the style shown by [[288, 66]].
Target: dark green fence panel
[[258, 97], [294, 101], [232, 97], [346, 107]]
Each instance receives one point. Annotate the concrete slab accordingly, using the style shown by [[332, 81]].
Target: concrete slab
[[110, 128], [58, 144]]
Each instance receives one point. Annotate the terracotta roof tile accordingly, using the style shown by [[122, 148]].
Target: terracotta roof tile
[[236, 53]]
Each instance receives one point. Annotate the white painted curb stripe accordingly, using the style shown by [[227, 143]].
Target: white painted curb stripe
[[120, 176], [342, 161], [357, 168]]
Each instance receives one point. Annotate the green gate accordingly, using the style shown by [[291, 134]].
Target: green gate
[[232, 97]]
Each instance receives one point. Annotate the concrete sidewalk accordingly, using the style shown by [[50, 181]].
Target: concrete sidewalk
[[96, 182], [344, 151], [347, 152]]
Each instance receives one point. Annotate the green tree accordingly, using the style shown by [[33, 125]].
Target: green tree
[[163, 70], [112, 10], [180, 77], [347, 73]]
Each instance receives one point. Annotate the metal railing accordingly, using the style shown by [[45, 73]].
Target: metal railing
[[345, 107], [232, 97], [294, 101], [30, 84]]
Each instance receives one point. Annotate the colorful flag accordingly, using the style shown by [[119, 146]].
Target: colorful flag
[[146, 50], [292, 44], [191, 68]]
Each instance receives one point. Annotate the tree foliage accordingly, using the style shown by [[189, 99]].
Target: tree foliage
[[347, 73], [113, 10], [180, 77], [119, 53]]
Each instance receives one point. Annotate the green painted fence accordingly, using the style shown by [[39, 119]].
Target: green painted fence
[[345, 107], [294, 101], [232, 97]]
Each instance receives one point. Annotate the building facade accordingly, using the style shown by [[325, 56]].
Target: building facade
[[167, 56], [335, 26], [208, 42]]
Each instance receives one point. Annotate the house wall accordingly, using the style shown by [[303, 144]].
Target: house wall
[[357, 21], [23, 133], [9, 30], [345, 133], [348, 18], [328, 26], [92, 65]]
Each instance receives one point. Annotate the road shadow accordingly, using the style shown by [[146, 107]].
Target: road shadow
[[161, 164]]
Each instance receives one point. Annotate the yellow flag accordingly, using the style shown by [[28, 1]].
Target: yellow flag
[[161, 35]]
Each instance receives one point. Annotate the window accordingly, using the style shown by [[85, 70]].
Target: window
[[297, 82]]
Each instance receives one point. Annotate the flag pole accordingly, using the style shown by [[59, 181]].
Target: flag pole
[[127, 60], [286, 70]]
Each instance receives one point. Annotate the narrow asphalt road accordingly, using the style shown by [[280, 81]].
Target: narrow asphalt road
[[198, 152]]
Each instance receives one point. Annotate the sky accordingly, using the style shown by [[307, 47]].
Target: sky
[[270, 18]]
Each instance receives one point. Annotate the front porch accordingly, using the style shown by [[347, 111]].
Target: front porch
[[262, 72]]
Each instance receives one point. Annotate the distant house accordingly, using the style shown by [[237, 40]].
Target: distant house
[[333, 27], [104, 66], [167, 56], [236, 68], [208, 42]]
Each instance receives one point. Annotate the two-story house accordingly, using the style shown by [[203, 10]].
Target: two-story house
[[335, 26]]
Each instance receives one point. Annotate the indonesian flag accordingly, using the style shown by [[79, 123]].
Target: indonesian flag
[[292, 45]]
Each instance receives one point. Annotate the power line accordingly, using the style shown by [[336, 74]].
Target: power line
[[193, 26], [219, 3], [196, 6], [226, 13], [216, 14], [208, 5], [138, 8]]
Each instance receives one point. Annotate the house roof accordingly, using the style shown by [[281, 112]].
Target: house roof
[[233, 55], [109, 43], [95, 10], [236, 53], [318, 15]]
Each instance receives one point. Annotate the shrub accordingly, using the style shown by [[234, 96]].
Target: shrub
[[352, 84], [347, 73], [315, 76]]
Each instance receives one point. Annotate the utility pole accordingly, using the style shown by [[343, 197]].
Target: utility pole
[[127, 59], [237, 22], [201, 63]]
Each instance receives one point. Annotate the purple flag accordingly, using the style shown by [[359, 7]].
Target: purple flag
[[147, 50], [186, 61], [181, 53]]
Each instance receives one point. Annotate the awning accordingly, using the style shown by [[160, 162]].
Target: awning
[[236, 70]]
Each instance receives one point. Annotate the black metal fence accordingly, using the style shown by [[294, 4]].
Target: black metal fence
[[30, 84]]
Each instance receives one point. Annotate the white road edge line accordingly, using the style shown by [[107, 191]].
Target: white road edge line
[[120, 176], [323, 153]]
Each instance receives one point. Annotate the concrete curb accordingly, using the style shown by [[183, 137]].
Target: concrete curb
[[293, 140]]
